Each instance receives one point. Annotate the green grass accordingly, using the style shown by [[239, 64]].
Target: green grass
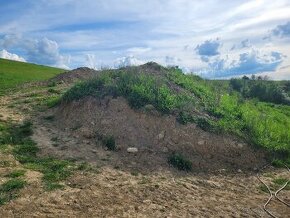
[[25, 151], [10, 189], [13, 73], [16, 173], [212, 105]]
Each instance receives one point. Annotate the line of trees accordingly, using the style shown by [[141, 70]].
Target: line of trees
[[262, 89]]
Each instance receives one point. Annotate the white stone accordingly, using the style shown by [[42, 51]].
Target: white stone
[[161, 135], [201, 142], [132, 150]]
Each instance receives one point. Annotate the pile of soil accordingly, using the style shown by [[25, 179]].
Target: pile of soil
[[156, 137], [74, 75]]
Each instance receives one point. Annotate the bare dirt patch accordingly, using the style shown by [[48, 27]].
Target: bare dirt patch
[[76, 127], [113, 193]]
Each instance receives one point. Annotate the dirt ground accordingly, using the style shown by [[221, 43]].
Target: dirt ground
[[73, 133], [142, 184]]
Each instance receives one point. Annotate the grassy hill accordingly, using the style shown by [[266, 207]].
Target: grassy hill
[[14, 73]]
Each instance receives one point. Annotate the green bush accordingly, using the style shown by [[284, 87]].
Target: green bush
[[110, 143], [180, 162]]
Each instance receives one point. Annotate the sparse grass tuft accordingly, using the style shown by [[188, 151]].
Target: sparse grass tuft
[[180, 162], [109, 142], [16, 173], [9, 189]]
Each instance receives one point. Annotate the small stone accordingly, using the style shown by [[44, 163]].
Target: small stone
[[165, 150], [132, 150], [201, 142], [94, 151], [161, 135], [240, 171], [240, 145]]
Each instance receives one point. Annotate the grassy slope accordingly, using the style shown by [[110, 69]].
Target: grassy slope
[[13, 73]]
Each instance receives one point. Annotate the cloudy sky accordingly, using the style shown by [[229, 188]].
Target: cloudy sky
[[216, 39]]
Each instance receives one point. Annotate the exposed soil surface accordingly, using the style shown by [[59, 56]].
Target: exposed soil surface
[[77, 126]]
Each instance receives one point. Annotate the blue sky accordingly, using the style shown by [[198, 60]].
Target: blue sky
[[215, 39]]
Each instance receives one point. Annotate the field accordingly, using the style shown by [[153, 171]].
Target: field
[[200, 144], [13, 73]]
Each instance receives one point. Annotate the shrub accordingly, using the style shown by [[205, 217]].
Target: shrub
[[185, 117], [180, 162], [236, 84], [109, 142]]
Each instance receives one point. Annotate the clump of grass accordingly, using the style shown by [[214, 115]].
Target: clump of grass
[[16, 173], [109, 142], [281, 181], [263, 188], [9, 189], [52, 101], [51, 84], [53, 91], [180, 162]]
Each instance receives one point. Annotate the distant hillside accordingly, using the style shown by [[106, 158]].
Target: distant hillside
[[13, 73]]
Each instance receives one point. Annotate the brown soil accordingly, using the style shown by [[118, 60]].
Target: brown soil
[[74, 75], [78, 126], [113, 193]]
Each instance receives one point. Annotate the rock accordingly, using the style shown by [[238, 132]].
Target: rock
[[165, 150], [94, 151], [240, 145], [240, 171], [161, 135], [201, 142], [132, 150]]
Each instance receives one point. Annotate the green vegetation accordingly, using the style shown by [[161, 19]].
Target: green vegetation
[[13, 73], [275, 185], [214, 106], [109, 142], [25, 150], [9, 189], [264, 90], [180, 162], [16, 173], [282, 181]]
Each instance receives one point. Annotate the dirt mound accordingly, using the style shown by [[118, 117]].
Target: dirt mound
[[155, 136], [73, 75]]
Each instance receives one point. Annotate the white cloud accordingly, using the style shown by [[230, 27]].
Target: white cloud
[[128, 61], [6, 55], [91, 61], [149, 30], [40, 51]]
